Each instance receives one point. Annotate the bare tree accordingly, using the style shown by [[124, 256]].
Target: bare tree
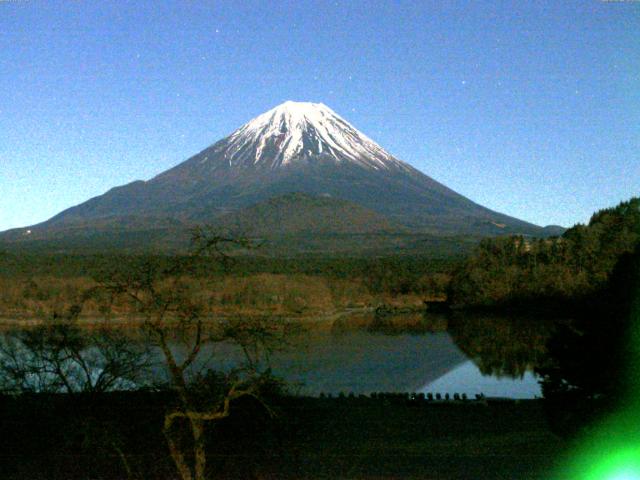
[[59, 356], [171, 312]]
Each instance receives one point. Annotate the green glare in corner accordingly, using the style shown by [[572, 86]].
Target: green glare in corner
[[612, 453], [612, 450], [623, 465], [625, 475]]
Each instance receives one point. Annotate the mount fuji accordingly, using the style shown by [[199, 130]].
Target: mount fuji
[[297, 169]]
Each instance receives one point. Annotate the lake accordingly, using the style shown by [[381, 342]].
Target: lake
[[471, 354], [361, 354], [366, 362]]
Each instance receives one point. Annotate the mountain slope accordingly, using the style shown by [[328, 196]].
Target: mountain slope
[[295, 147], [300, 213]]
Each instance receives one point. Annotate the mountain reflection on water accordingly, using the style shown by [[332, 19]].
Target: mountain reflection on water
[[459, 353], [494, 355], [362, 354]]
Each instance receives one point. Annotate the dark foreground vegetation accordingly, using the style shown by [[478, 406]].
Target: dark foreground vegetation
[[118, 436], [593, 363]]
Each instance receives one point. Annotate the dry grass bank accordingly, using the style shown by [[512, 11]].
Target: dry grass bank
[[295, 295]]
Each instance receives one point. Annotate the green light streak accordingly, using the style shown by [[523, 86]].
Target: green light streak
[[623, 464], [612, 451]]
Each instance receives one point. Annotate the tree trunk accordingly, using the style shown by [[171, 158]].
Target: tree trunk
[[176, 453], [197, 428]]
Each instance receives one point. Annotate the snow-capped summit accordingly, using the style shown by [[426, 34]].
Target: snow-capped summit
[[313, 157], [299, 131]]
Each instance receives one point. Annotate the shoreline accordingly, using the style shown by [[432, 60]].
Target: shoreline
[[8, 321]]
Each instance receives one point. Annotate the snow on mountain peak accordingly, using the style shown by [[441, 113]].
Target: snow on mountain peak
[[298, 131]]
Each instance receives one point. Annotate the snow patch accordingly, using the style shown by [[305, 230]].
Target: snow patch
[[295, 130]]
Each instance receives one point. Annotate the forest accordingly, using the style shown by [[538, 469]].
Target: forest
[[524, 272]]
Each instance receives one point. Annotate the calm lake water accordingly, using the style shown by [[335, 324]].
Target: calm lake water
[[366, 362], [487, 354]]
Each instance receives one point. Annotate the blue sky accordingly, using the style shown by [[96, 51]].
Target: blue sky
[[530, 108]]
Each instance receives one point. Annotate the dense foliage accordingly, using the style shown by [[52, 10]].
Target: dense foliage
[[593, 362], [521, 271], [68, 265]]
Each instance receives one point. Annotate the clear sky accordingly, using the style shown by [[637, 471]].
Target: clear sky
[[531, 108]]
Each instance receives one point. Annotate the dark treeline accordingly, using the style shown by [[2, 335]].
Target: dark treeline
[[593, 362], [520, 271], [68, 265]]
